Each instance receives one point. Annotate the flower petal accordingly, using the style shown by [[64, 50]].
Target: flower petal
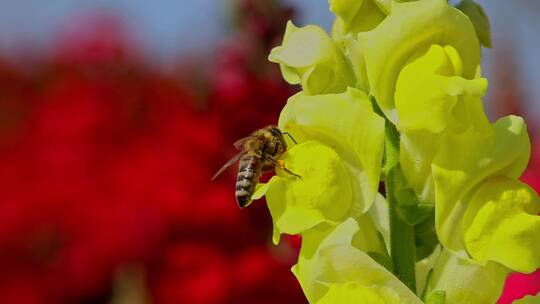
[[424, 267], [350, 293], [502, 225], [432, 99], [466, 159], [347, 123], [310, 57], [353, 50], [323, 194], [353, 16], [465, 282], [331, 256], [430, 94], [407, 32]]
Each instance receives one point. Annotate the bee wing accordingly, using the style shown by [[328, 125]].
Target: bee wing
[[228, 164], [239, 143]]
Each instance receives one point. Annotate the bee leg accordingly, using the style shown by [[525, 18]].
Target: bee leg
[[281, 164]]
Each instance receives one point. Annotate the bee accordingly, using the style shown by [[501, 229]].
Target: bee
[[259, 153]]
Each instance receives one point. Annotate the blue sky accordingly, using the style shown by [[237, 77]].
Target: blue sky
[[168, 28]]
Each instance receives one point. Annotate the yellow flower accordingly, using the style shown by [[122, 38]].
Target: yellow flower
[[464, 281], [464, 160], [407, 33], [308, 56], [353, 16], [351, 293], [432, 99], [501, 224], [338, 156], [432, 96], [334, 265]]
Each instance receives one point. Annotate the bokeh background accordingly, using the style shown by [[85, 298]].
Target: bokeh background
[[114, 114]]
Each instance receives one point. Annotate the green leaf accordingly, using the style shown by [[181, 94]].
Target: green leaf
[[410, 209], [425, 237], [476, 14]]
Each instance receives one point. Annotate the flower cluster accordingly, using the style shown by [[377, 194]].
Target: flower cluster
[[394, 94]]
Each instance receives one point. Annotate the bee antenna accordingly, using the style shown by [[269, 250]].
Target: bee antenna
[[286, 133]]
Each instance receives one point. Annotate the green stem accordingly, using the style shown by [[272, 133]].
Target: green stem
[[402, 245]]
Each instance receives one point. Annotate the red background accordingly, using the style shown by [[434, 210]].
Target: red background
[[105, 161]]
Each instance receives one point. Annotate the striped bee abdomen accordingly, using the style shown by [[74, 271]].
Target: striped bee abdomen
[[249, 170]]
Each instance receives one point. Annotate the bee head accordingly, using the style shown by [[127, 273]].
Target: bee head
[[276, 132]]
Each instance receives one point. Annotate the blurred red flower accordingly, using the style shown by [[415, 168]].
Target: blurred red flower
[[106, 163]]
